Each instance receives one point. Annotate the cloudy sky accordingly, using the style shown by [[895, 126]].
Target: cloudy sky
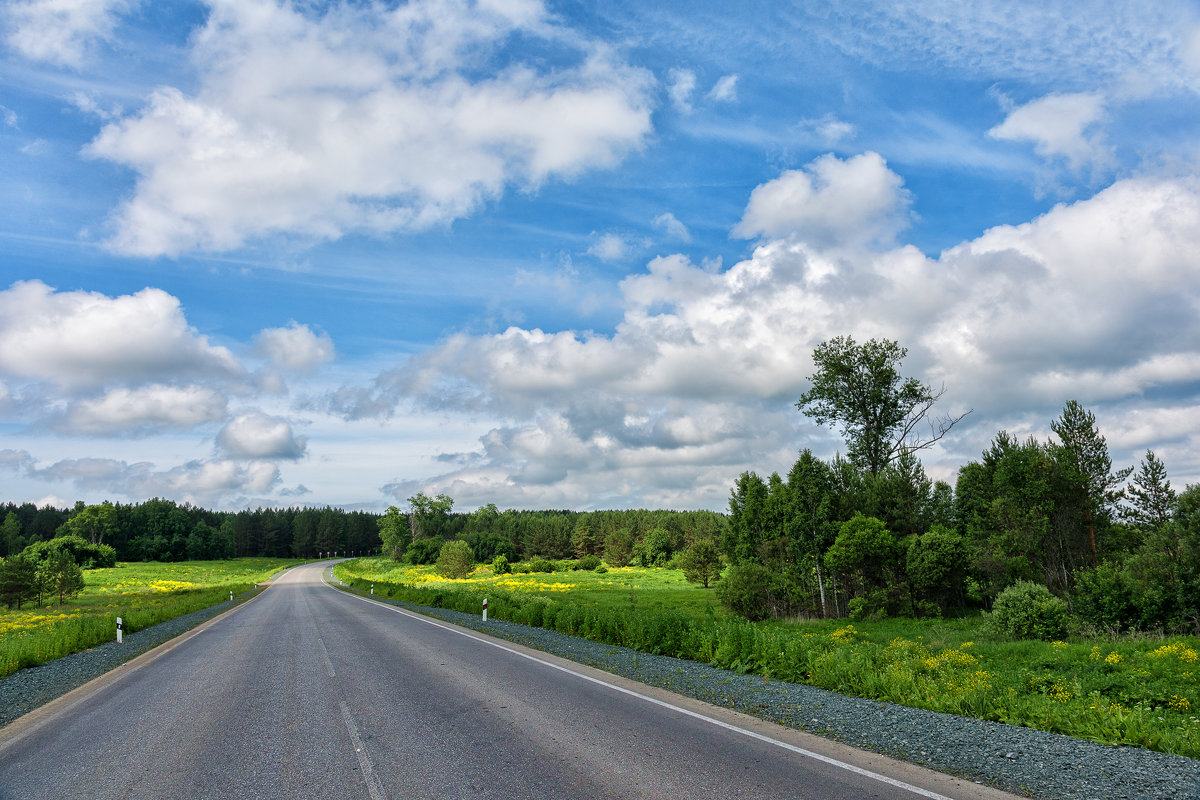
[[576, 255]]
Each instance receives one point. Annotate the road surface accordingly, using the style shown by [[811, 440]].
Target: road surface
[[306, 691]]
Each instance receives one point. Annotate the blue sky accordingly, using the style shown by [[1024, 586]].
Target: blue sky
[[572, 255]]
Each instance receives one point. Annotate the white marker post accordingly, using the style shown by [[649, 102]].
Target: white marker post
[[372, 590], [485, 609], [118, 630], [231, 595]]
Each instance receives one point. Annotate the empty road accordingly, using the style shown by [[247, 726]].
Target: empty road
[[306, 691]]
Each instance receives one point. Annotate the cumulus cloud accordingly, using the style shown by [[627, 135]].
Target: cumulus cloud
[[80, 340], [199, 482], [258, 436], [295, 348], [1060, 126], [61, 31], [831, 201], [672, 227], [363, 118], [725, 89], [1094, 300], [145, 408]]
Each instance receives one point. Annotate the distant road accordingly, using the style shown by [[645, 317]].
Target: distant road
[[306, 691]]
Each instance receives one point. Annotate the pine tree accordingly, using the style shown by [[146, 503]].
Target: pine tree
[[1151, 497]]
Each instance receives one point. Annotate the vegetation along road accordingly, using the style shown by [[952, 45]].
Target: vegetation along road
[[309, 692]]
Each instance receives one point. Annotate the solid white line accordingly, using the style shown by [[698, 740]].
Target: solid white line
[[364, 761], [866, 773]]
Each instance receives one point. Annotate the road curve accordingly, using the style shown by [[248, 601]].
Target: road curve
[[307, 691]]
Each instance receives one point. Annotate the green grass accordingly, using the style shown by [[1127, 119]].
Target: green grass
[[142, 594], [1134, 691]]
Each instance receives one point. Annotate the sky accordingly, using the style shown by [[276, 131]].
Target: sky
[[577, 255]]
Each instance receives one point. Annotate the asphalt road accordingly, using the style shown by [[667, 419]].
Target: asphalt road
[[306, 691]]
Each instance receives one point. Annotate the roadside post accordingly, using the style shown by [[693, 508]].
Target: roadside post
[[118, 630], [485, 609], [231, 595], [372, 589]]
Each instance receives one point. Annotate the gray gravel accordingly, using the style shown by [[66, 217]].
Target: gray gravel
[[1021, 760]]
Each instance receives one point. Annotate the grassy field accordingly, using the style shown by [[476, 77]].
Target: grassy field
[[142, 594], [1141, 691]]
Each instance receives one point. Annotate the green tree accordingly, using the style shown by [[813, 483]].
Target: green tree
[[60, 575], [618, 547], [810, 524], [10, 534], [18, 580], [427, 515], [1084, 453], [654, 549], [583, 539], [747, 508], [394, 532], [1151, 497], [880, 413], [937, 566], [455, 560], [92, 523], [701, 563], [864, 551]]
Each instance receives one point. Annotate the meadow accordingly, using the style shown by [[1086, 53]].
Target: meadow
[[1134, 690], [142, 594]]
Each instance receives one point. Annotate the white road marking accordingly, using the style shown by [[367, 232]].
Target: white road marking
[[866, 773], [364, 761]]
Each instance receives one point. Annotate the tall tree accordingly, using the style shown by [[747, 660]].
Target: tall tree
[[427, 514], [1151, 497], [859, 388], [1084, 454], [811, 524]]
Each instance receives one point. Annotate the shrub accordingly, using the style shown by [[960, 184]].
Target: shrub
[[755, 592], [588, 563], [1104, 598], [455, 560], [423, 551], [538, 564], [1027, 610], [600, 570], [500, 566]]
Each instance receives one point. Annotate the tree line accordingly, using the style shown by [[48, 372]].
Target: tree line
[[871, 534]]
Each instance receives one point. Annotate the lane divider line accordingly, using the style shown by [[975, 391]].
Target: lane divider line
[[364, 761], [866, 773]]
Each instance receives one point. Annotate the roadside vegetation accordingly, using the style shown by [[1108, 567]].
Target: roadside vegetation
[[142, 594]]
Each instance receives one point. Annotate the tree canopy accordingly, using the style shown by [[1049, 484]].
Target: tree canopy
[[859, 388]]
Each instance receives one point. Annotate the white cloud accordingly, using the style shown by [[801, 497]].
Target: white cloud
[[80, 340], [205, 483], [61, 31], [362, 119], [258, 436], [683, 83], [1096, 301], [295, 348], [725, 89], [828, 130], [152, 407], [611, 247], [672, 227], [833, 201], [1060, 126], [9, 116]]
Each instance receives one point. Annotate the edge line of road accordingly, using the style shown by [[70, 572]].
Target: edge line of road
[[483, 639], [21, 727]]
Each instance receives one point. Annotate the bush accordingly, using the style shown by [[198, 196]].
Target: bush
[[756, 593], [542, 565], [500, 566], [588, 563], [423, 551], [600, 570], [1027, 610], [455, 560], [1104, 597]]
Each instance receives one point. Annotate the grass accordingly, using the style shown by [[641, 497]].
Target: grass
[[1141, 691], [142, 594]]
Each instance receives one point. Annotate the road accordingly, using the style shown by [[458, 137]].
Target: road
[[306, 691]]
